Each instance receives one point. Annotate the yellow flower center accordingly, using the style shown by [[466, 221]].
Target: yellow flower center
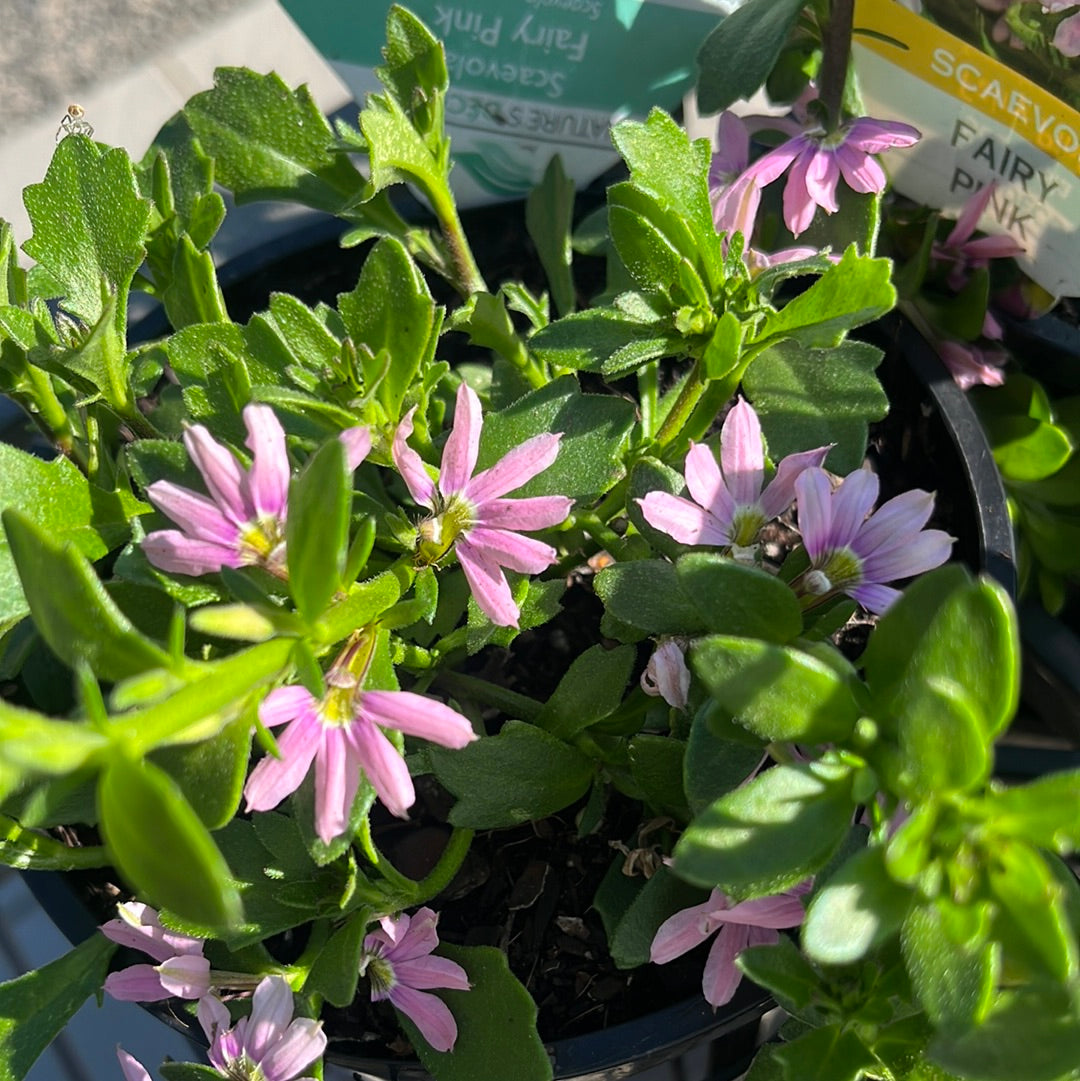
[[436, 535]]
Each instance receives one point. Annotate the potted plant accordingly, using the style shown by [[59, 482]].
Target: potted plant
[[320, 715]]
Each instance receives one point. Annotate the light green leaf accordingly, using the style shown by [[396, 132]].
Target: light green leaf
[[27, 850], [647, 594], [549, 214], [605, 340]]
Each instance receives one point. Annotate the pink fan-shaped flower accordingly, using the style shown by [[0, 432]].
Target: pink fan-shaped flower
[[470, 514], [855, 552], [727, 505], [964, 254], [736, 926], [401, 967], [242, 521], [342, 735]]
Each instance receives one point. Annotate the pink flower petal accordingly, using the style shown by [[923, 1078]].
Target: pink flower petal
[[285, 704], [463, 445], [299, 1046], [514, 469], [488, 584], [875, 598], [780, 910], [131, 1067], [666, 675], [813, 493], [513, 551], [410, 937], [742, 456], [357, 443], [680, 933], [851, 503], [271, 1012], [384, 768], [682, 520], [430, 1015], [534, 512], [186, 976], [1067, 36], [875, 136], [706, 485], [338, 761], [171, 551], [733, 145], [773, 164], [267, 482], [411, 466], [860, 171], [968, 219], [721, 978], [999, 246], [221, 471], [416, 715], [822, 176], [213, 1016], [779, 493], [275, 778], [430, 971], [921, 553], [136, 983], [799, 205], [894, 521], [195, 514]]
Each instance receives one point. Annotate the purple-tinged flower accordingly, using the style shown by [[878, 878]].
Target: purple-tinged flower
[[666, 674], [131, 1067], [855, 552], [749, 923], [818, 160], [972, 365], [242, 522], [727, 506], [341, 734], [269, 1045], [1067, 36], [181, 969], [961, 252], [469, 513], [398, 962]]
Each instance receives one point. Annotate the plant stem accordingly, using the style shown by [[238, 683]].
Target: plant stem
[[453, 855], [836, 48], [648, 380], [467, 278], [680, 412]]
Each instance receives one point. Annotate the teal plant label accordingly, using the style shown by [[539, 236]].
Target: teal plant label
[[529, 78]]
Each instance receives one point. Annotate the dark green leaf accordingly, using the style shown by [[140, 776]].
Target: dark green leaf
[[831, 1053], [656, 763], [591, 689], [188, 1071], [738, 55], [651, 475], [527, 775], [812, 397], [662, 896], [714, 766], [856, 910], [646, 593], [777, 692], [783, 971], [496, 1020], [737, 599], [605, 340], [160, 846], [770, 834], [549, 213], [27, 850], [35, 1007], [336, 970]]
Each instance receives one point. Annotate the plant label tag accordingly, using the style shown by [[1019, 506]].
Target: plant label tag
[[981, 122], [529, 78]]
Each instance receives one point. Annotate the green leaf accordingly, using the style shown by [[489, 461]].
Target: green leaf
[[852, 292], [1033, 1034], [188, 1071], [363, 602], [175, 864], [35, 1007], [661, 896], [812, 397], [89, 226], [526, 775], [737, 599], [336, 970], [647, 594], [605, 340], [656, 763], [391, 309], [1033, 812], [549, 215], [714, 766], [856, 910], [61, 502], [947, 626], [414, 72], [1026, 449], [591, 689], [485, 319], [830, 1053], [211, 774], [317, 530], [594, 427], [951, 961], [942, 739], [71, 608], [776, 692], [736, 58], [496, 1020], [770, 834], [783, 971], [37, 744], [270, 142]]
